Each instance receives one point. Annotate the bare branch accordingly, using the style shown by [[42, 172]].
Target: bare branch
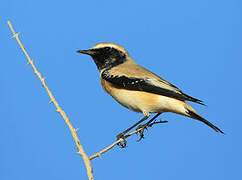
[[58, 108]]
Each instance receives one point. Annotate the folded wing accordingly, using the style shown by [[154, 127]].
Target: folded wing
[[150, 83]]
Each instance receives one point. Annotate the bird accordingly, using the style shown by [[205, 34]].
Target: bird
[[137, 88]]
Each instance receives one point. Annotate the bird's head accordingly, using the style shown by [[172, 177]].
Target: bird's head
[[107, 55]]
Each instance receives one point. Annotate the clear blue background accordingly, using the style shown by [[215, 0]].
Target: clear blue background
[[196, 45]]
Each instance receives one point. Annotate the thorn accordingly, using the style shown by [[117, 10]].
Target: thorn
[[50, 101], [78, 153], [28, 63], [100, 155], [57, 110], [77, 129], [15, 35]]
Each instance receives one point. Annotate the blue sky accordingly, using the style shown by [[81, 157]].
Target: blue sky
[[196, 45]]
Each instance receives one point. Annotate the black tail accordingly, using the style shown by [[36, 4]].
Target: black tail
[[190, 98], [196, 116]]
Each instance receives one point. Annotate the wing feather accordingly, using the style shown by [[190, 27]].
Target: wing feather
[[149, 83]]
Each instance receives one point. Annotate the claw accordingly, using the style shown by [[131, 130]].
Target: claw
[[141, 131], [141, 135], [124, 143], [145, 126]]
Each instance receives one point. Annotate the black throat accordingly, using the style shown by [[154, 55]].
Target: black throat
[[108, 57]]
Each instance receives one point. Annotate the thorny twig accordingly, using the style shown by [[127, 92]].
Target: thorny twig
[[58, 108]]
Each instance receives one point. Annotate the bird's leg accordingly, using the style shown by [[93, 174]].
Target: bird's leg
[[153, 119], [121, 135], [148, 124], [127, 130], [144, 126]]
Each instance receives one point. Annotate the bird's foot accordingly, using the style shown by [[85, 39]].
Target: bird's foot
[[140, 129], [123, 143]]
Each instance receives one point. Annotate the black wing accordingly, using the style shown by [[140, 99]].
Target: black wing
[[146, 84]]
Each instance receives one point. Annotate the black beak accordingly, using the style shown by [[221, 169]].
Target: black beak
[[88, 52]]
